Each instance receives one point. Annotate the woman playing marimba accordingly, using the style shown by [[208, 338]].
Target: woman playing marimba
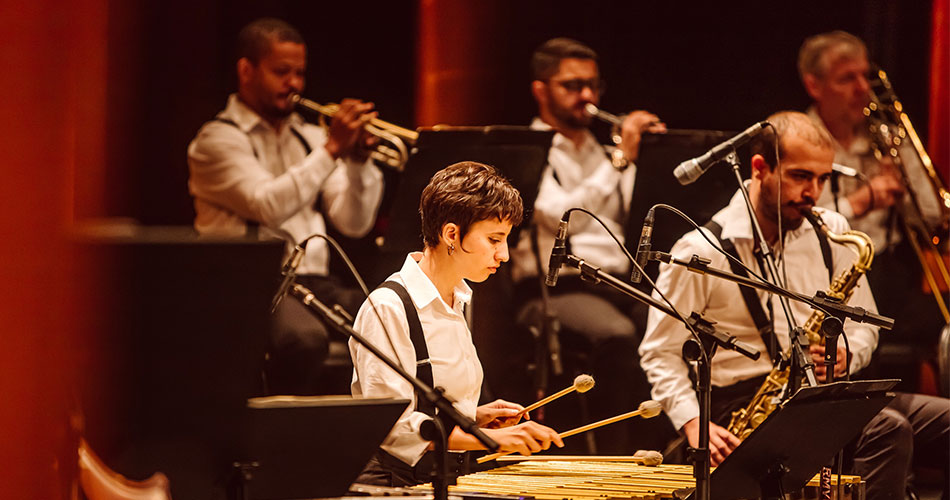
[[468, 210]]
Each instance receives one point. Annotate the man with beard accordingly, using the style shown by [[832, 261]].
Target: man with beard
[[911, 426], [581, 173], [258, 169]]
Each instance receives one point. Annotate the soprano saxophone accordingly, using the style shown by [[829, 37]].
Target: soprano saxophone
[[745, 420]]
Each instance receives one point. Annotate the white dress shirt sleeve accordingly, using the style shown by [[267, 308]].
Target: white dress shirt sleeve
[[351, 197], [661, 348], [374, 379], [225, 171]]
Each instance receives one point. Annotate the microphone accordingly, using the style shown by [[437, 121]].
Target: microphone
[[690, 170], [643, 249], [559, 252], [289, 273]]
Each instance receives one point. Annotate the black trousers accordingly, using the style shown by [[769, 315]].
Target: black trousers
[[912, 429], [298, 342], [386, 470]]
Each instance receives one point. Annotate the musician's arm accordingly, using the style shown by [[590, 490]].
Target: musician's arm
[[661, 348], [373, 379], [351, 196]]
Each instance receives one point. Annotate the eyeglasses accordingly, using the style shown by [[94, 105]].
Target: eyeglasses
[[577, 85]]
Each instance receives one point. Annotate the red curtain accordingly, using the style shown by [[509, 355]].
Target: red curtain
[[939, 126]]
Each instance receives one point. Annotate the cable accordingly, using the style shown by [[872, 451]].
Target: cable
[[359, 279], [633, 261]]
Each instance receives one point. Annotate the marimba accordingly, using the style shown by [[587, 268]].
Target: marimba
[[600, 479]]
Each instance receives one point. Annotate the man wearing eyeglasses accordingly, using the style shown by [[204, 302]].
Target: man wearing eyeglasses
[[583, 173]]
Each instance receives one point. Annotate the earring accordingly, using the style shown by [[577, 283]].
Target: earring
[[451, 248]]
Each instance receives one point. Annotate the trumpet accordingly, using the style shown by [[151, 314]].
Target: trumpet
[[392, 150], [617, 159]]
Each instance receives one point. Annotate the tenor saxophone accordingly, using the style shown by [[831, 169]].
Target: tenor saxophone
[[765, 400]]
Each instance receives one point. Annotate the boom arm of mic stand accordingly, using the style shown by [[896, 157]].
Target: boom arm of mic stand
[[701, 325], [821, 300], [434, 396], [700, 455]]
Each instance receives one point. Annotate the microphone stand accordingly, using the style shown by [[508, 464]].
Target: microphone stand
[[797, 339], [692, 350], [434, 396], [820, 300]]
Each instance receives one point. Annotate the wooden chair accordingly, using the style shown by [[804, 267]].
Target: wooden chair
[[99, 482]]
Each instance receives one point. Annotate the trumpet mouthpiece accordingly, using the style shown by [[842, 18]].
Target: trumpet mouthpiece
[[583, 383], [650, 408], [591, 109]]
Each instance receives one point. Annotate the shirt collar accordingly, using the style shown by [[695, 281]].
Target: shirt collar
[[246, 118], [735, 223], [421, 289]]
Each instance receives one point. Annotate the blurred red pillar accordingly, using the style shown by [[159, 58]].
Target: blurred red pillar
[[457, 63], [53, 138], [939, 126]]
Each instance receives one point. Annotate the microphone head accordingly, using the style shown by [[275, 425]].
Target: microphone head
[[583, 383], [688, 171], [650, 408], [651, 458]]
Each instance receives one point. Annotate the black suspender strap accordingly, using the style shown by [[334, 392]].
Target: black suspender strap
[[762, 321], [423, 365], [303, 142]]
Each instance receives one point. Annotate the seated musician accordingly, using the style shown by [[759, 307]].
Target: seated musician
[[911, 426], [467, 211], [258, 169]]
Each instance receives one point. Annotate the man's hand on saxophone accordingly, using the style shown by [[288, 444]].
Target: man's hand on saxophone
[[721, 441]]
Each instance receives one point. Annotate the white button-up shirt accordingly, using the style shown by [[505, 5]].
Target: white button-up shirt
[[455, 364], [578, 177], [721, 301], [253, 173]]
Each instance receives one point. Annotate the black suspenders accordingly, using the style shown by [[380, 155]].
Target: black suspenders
[[763, 321], [423, 364]]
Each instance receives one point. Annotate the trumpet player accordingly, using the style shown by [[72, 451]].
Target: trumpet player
[[258, 169], [781, 190], [580, 173]]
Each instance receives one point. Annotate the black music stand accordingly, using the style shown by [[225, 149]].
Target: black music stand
[[797, 439], [659, 155], [312, 447], [520, 153]]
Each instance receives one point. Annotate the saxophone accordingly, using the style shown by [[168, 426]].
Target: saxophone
[[745, 420]]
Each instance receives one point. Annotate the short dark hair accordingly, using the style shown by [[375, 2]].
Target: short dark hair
[[785, 123], [547, 58], [465, 193], [254, 41]]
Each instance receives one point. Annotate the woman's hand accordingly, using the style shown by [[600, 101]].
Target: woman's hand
[[525, 438], [498, 414]]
